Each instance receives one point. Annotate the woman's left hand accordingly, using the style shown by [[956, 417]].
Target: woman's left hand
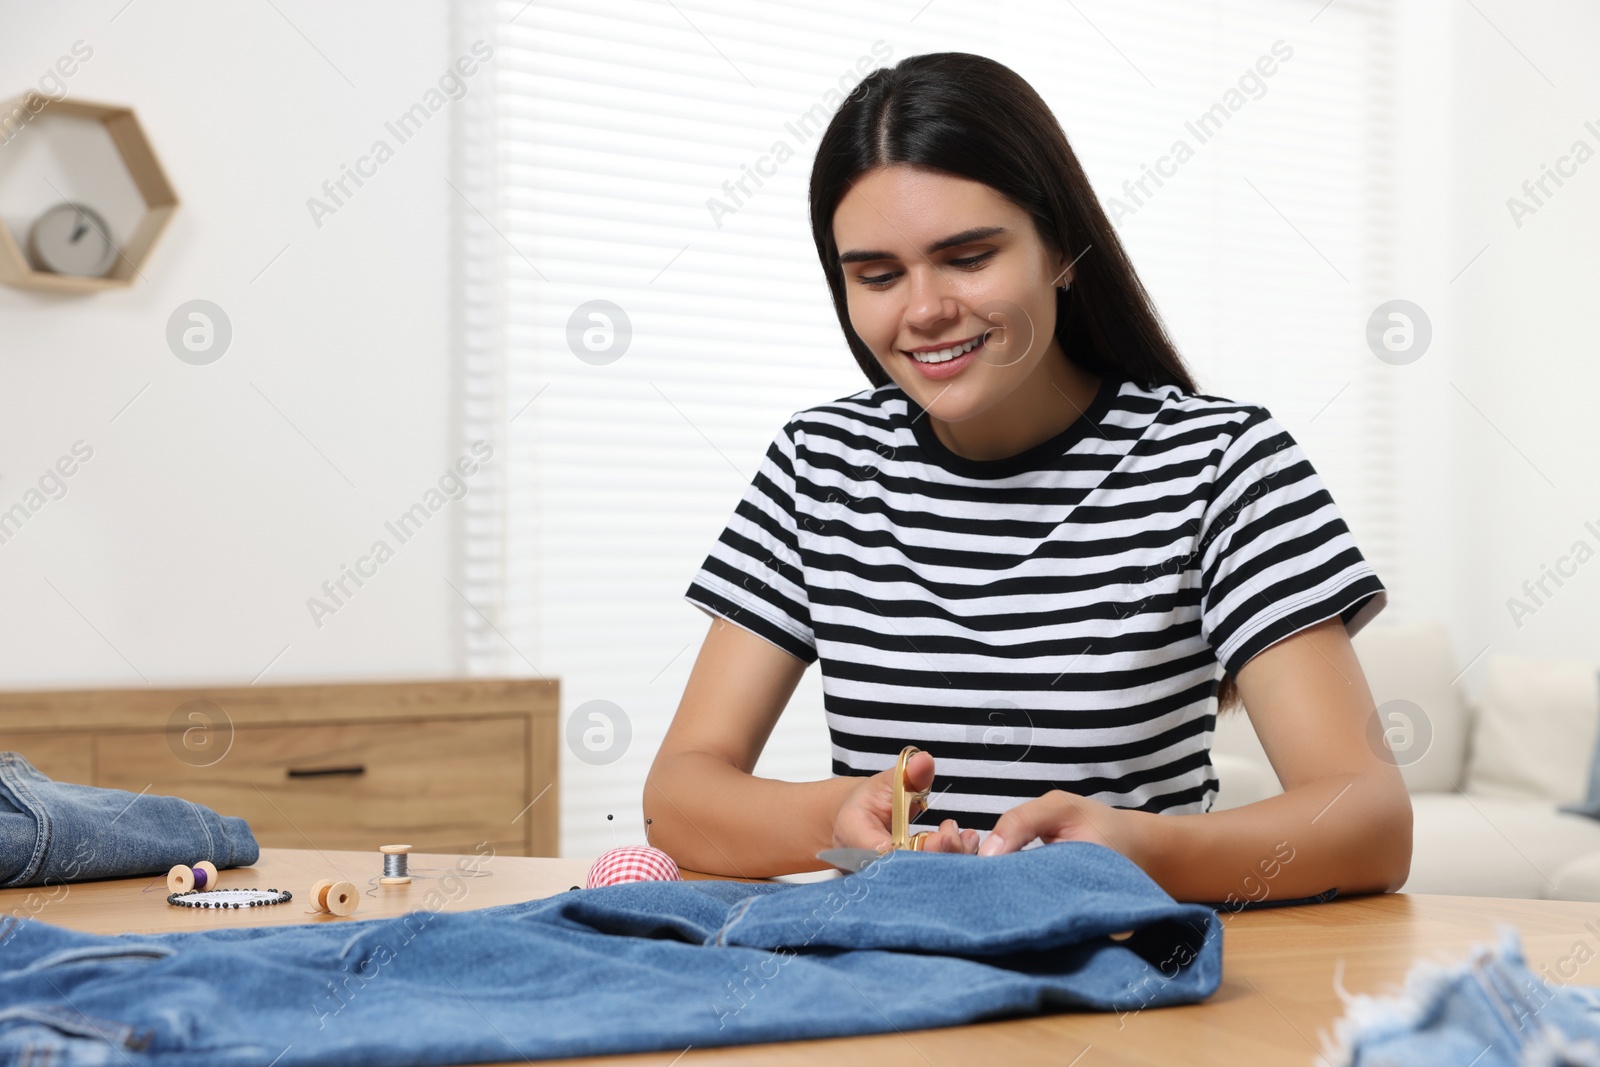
[[1060, 816]]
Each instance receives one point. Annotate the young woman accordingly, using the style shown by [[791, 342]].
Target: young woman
[[1032, 549]]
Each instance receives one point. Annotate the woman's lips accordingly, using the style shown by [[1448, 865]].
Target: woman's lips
[[938, 372]]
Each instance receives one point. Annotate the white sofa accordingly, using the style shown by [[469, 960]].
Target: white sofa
[[1485, 776]]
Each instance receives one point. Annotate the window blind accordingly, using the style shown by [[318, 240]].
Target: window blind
[[603, 166]]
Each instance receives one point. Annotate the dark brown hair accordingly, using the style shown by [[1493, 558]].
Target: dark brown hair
[[972, 117]]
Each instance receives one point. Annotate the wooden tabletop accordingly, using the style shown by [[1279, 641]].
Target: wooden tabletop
[[452, 883], [1277, 988]]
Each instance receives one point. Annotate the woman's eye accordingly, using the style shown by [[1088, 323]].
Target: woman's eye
[[965, 263]]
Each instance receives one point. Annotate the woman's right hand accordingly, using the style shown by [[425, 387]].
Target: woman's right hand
[[865, 819]]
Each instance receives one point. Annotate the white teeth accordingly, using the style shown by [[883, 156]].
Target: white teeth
[[945, 354]]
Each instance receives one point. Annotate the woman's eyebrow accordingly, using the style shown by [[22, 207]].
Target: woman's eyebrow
[[976, 233]]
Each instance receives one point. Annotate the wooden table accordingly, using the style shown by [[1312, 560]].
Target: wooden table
[[1277, 989]]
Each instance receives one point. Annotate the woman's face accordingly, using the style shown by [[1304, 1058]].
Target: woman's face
[[936, 262]]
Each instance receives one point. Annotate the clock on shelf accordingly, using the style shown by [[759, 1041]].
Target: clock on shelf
[[72, 239], [69, 247]]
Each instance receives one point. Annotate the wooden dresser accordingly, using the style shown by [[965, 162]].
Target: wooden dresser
[[442, 766]]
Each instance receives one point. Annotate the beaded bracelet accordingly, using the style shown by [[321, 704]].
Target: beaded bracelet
[[230, 898]]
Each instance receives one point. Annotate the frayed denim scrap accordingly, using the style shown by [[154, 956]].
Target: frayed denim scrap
[[1490, 1011]]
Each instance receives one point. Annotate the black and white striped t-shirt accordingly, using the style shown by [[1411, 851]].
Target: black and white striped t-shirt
[[1052, 620]]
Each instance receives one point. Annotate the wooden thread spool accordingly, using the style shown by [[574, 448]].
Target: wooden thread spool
[[202, 875], [394, 865], [334, 898]]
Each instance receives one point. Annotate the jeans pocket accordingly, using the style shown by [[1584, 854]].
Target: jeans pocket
[[43, 1034], [99, 954]]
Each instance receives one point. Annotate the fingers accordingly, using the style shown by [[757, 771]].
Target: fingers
[[863, 819], [994, 844], [861, 832], [919, 772], [1020, 825], [949, 837]]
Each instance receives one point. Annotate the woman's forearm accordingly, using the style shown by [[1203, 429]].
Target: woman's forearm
[[712, 817], [1349, 832]]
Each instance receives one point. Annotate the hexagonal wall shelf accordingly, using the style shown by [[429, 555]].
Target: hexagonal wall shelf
[[134, 150]]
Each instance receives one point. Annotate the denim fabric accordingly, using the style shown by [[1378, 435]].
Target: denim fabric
[[914, 940], [1491, 1011], [53, 832], [1234, 901]]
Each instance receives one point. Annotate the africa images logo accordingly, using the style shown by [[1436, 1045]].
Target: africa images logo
[[452, 486]]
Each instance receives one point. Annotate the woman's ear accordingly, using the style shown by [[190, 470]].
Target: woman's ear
[[1062, 273]]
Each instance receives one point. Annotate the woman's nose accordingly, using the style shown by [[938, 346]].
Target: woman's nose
[[931, 301]]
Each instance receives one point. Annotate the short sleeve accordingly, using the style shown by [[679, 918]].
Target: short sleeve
[[752, 576], [1275, 554]]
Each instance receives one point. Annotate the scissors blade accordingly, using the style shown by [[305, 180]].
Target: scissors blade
[[849, 859]]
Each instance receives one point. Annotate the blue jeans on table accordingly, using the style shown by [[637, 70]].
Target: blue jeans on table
[[914, 940], [1491, 1011], [54, 832]]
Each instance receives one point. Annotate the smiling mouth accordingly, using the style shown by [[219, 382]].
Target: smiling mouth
[[944, 355]]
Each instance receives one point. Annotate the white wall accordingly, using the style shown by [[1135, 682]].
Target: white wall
[[1524, 83], [1426, 567], [186, 549]]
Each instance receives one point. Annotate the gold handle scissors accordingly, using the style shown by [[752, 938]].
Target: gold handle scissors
[[903, 802], [904, 805]]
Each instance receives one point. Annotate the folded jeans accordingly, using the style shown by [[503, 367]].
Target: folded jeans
[[54, 832]]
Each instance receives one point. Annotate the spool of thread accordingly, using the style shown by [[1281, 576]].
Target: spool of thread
[[633, 863], [395, 871], [200, 877], [334, 898]]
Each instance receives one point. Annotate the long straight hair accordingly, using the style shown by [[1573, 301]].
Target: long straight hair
[[974, 118]]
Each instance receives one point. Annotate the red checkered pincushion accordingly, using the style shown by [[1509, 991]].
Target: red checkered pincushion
[[633, 863]]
